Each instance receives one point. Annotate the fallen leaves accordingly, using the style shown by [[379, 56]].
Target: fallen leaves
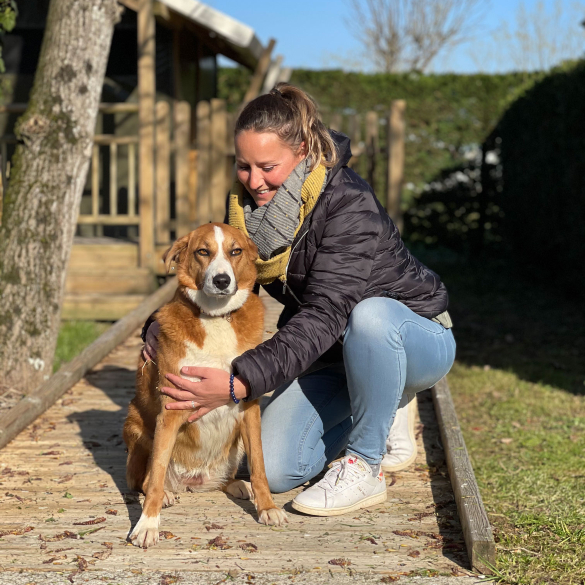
[[166, 534], [414, 554], [112, 512], [60, 536], [16, 531], [389, 579], [341, 562], [53, 559], [90, 522], [219, 542], [65, 478], [52, 453], [102, 555], [249, 547], [209, 527]]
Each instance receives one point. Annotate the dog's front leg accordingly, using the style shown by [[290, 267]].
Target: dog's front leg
[[268, 513], [168, 422]]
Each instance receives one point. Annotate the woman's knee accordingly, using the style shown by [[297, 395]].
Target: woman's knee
[[373, 317], [281, 474]]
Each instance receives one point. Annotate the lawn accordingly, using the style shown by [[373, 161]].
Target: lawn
[[74, 337], [519, 389]]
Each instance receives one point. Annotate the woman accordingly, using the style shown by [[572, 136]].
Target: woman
[[364, 325]]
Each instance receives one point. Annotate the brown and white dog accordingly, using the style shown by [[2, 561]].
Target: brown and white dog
[[213, 318]]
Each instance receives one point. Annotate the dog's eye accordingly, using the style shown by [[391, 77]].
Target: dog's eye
[[236, 251], [202, 252]]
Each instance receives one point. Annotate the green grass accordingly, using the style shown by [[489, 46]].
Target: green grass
[[519, 389], [74, 337]]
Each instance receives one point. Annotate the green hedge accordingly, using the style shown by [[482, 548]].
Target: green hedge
[[448, 115], [542, 145]]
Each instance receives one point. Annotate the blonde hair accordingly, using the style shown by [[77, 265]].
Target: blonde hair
[[292, 114]]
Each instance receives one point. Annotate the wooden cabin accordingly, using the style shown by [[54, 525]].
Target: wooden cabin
[[162, 158]]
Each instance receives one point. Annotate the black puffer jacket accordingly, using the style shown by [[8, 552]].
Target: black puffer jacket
[[347, 250]]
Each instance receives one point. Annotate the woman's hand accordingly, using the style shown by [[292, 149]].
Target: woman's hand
[[211, 392], [151, 345]]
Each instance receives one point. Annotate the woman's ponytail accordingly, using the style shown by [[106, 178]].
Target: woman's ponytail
[[292, 114]]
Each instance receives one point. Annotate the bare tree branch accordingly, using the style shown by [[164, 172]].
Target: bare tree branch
[[409, 34]]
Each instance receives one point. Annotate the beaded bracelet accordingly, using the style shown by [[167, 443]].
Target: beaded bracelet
[[232, 393]]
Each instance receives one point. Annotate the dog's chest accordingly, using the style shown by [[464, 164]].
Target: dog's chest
[[220, 346]]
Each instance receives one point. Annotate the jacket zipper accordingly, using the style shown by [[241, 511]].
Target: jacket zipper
[[284, 285]]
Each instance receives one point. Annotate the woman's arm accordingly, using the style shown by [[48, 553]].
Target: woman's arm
[[336, 282]]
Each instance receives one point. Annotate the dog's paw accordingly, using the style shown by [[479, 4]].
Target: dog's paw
[[240, 489], [168, 499], [273, 517], [145, 533]]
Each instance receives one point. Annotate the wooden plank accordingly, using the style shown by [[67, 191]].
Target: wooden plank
[[34, 404], [217, 158], [146, 97], [132, 180], [113, 179], [272, 74], [372, 146], [113, 139], [193, 162], [259, 73], [115, 281], [203, 161], [163, 172], [182, 142], [107, 220], [355, 134], [120, 255], [474, 521], [96, 306], [95, 180], [395, 130]]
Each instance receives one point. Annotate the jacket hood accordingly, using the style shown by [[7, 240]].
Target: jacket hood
[[343, 150]]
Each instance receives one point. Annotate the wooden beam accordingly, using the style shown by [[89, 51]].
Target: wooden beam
[[131, 4], [395, 130], [182, 140], [146, 123], [37, 402], [203, 162], [219, 185], [163, 172], [477, 531], [372, 146], [259, 73]]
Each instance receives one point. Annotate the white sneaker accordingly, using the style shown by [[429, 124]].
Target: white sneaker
[[401, 441], [347, 486]]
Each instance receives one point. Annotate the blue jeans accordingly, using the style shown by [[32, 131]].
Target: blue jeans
[[387, 348]]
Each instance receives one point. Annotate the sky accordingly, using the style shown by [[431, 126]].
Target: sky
[[312, 34]]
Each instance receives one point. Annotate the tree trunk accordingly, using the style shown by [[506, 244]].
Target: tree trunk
[[49, 170]]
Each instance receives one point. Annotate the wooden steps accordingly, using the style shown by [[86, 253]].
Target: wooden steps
[[104, 281]]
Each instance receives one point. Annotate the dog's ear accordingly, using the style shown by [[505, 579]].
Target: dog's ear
[[252, 248], [176, 253]]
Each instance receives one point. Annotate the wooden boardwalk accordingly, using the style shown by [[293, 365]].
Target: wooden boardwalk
[[64, 505]]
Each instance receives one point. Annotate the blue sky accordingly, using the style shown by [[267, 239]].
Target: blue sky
[[312, 33]]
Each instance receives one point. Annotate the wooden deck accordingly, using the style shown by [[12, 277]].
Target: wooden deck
[[65, 508]]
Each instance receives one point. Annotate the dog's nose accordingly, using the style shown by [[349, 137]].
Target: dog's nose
[[221, 281]]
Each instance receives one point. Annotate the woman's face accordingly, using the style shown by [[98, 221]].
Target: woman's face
[[263, 163]]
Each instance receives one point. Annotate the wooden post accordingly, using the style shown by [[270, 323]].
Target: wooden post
[[355, 134], [113, 179], [335, 123], [259, 73], [193, 186], [163, 172], [395, 129], [182, 139], [95, 181], [372, 146], [218, 156], [203, 162], [146, 98], [132, 180]]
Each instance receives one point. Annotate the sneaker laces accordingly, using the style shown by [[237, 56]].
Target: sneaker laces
[[343, 473]]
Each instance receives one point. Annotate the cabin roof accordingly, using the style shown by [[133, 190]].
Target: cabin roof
[[232, 38]]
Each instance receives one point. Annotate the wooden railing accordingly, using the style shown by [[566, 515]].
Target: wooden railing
[[192, 177]]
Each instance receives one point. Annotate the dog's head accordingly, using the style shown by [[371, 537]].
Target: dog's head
[[214, 263]]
